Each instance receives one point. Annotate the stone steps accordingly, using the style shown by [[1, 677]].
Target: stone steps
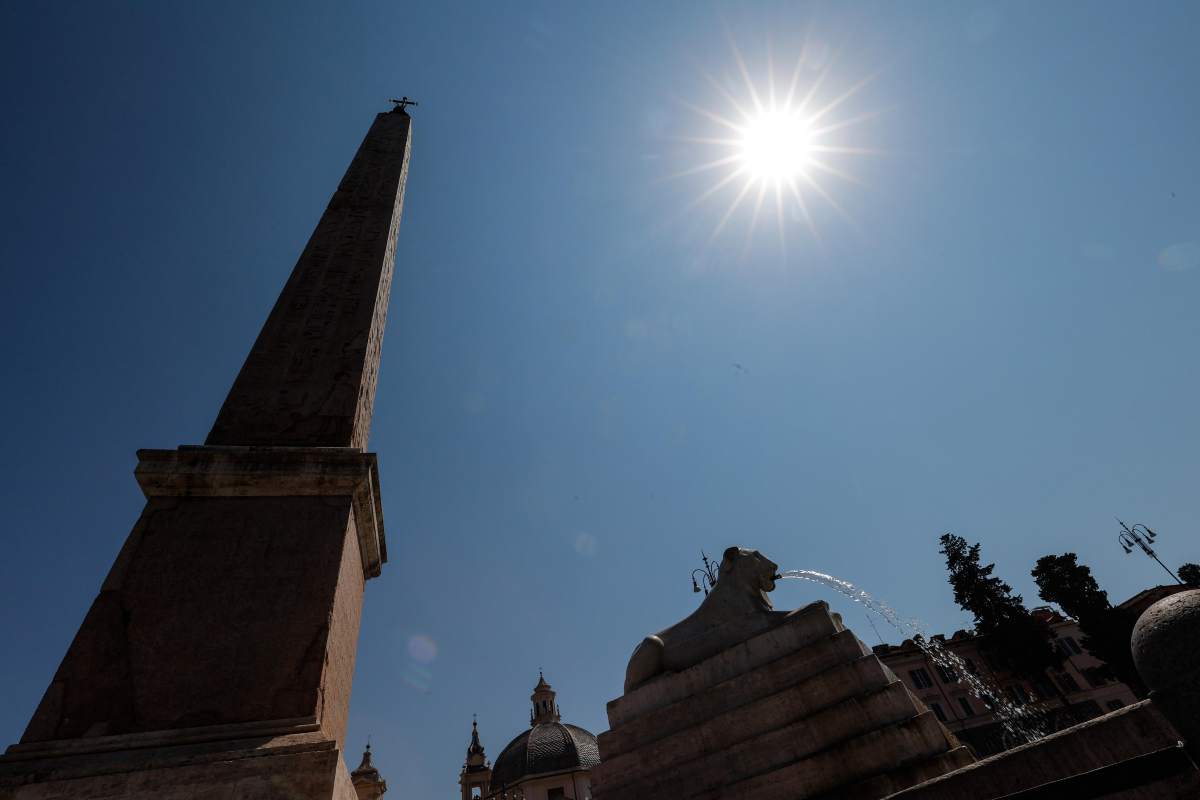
[[799, 706], [776, 749], [800, 711], [814, 667], [803, 627], [876, 752]]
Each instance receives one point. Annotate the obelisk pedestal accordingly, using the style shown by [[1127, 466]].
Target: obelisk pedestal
[[218, 657]]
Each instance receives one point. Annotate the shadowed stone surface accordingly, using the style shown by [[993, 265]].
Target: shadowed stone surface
[[1166, 649], [217, 659], [1129, 732], [794, 707], [156, 652], [310, 378], [287, 767]]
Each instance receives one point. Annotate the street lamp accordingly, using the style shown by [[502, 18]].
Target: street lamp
[[708, 575], [1129, 537]]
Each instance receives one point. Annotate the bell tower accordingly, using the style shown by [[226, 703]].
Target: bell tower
[[368, 784], [545, 708], [476, 776]]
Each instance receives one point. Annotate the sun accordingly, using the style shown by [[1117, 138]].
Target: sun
[[774, 145], [781, 143]]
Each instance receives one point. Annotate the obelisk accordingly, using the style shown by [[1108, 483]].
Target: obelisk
[[217, 659]]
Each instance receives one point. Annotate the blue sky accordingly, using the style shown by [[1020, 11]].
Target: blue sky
[[581, 384]]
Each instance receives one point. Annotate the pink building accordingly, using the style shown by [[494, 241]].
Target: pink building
[[969, 718]]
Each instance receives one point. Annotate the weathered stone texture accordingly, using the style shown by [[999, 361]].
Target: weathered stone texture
[[310, 378], [296, 767], [801, 710], [1129, 732], [1166, 649], [219, 610], [217, 660], [341, 645]]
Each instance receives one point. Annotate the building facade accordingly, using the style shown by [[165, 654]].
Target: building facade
[[969, 717]]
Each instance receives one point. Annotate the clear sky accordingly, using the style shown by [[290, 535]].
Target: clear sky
[[582, 385]]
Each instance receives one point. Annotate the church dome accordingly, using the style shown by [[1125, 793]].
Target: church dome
[[545, 748], [549, 746]]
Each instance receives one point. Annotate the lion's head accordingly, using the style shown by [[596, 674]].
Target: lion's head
[[748, 570]]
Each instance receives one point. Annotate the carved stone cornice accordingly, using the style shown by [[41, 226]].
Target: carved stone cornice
[[210, 471]]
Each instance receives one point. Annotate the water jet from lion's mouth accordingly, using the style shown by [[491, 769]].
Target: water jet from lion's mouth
[[1019, 722]]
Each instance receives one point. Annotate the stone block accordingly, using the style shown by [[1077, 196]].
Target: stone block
[[894, 780], [800, 710], [744, 721], [877, 752], [803, 627], [219, 610], [1131, 731], [731, 753], [815, 662], [297, 766]]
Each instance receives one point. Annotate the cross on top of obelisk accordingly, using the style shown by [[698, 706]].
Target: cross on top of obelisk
[[402, 103]]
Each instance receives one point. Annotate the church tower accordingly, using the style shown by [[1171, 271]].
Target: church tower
[[219, 652], [368, 784], [545, 708], [476, 776]]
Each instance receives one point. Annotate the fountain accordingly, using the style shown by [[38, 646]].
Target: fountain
[[1021, 724], [739, 700]]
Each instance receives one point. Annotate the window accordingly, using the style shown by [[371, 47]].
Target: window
[[965, 704], [946, 674], [937, 711], [1018, 694], [1072, 645], [1113, 705], [1068, 683], [971, 666], [920, 678], [555, 794]]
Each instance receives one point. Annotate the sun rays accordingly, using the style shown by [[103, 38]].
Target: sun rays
[[775, 147]]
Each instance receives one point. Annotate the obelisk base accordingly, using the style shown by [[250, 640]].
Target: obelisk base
[[174, 765], [216, 661]]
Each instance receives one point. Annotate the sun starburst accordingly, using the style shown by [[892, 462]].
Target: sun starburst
[[784, 146]]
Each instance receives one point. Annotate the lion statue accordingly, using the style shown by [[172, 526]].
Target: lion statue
[[736, 609]]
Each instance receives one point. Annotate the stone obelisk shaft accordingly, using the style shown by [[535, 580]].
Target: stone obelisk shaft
[[309, 380], [217, 658]]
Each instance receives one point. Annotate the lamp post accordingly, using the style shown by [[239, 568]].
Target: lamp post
[[708, 575], [1129, 537]]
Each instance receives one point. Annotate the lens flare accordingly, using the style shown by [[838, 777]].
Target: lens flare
[[779, 144]]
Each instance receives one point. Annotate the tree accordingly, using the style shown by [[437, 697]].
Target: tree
[[1062, 580], [1012, 637], [1190, 574]]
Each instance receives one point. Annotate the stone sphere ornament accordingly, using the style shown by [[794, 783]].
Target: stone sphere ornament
[[1166, 640], [1166, 650]]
